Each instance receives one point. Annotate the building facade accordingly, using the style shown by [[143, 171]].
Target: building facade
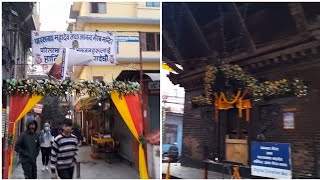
[[18, 20], [173, 128], [130, 21], [127, 19], [271, 41]]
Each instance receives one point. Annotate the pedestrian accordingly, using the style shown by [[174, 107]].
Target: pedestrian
[[77, 132], [28, 147], [64, 152], [54, 131], [173, 151], [46, 139]]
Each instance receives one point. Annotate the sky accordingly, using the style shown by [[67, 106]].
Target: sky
[[176, 93], [170, 89], [53, 15]]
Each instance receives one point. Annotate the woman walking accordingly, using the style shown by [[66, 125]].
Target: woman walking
[[45, 140]]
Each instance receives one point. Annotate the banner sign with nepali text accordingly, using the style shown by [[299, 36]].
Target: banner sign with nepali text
[[46, 45]]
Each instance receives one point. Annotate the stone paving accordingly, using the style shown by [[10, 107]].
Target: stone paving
[[181, 172], [90, 168]]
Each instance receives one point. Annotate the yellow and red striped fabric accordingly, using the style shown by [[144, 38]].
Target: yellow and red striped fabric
[[20, 105], [129, 108]]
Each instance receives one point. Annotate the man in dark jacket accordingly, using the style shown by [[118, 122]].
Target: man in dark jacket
[[173, 151], [28, 147]]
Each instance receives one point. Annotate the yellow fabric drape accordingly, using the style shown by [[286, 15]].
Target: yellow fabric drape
[[166, 67], [240, 109], [142, 163], [246, 104], [122, 107], [168, 176], [33, 100], [233, 101]]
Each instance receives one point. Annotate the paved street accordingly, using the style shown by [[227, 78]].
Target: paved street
[[181, 172], [90, 168]]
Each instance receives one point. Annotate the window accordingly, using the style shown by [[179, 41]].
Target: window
[[99, 78], [153, 4], [151, 41], [170, 133], [98, 7]]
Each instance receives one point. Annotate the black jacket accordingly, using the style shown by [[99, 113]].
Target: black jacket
[[28, 145], [173, 152]]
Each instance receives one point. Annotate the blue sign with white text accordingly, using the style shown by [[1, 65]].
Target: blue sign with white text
[[127, 38], [271, 160]]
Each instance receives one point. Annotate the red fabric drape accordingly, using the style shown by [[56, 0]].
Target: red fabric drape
[[17, 104], [134, 107]]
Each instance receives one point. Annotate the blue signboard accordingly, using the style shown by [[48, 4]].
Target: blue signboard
[[270, 159], [126, 39]]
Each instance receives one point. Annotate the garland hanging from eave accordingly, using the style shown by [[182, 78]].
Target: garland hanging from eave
[[256, 90], [67, 87]]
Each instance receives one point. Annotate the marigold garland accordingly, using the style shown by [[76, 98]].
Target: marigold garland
[[257, 90]]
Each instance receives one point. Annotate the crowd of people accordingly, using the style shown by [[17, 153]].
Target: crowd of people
[[59, 147]]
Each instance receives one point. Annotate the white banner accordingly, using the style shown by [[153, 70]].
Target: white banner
[[46, 45], [66, 59]]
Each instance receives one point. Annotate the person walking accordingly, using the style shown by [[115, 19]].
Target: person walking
[[173, 151], [46, 139], [28, 147], [64, 152]]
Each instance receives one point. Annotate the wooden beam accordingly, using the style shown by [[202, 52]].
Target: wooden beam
[[244, 27], [197, 27], [279, 44], [172, 65], [170, 44], [275, 55], [297, 13]]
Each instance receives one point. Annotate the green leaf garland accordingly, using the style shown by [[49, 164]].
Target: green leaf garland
[[257, 90], [67, 87]]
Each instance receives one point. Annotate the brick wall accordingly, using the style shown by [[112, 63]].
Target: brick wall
[[302, 138], [200, 131], [317, 149], [307, 127]]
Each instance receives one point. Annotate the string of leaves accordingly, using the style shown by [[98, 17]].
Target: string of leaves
[[257, 90], [68, 87]]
